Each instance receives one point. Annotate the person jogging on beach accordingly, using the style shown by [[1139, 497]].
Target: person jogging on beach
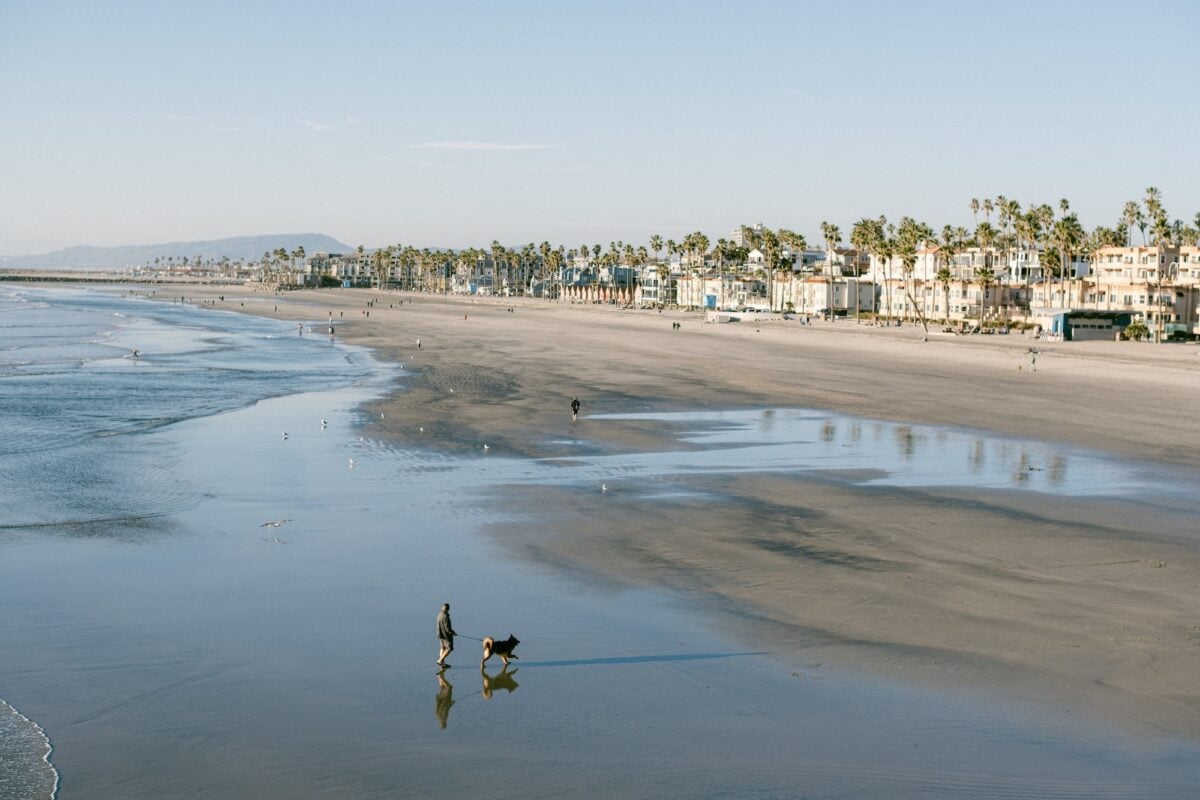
[[445, 630], [574, 408]]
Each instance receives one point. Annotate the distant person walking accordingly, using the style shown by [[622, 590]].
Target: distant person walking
[[445, 630], [418, 344], [574, 408]]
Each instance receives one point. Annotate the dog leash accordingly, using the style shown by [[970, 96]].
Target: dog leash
[[472, 638]]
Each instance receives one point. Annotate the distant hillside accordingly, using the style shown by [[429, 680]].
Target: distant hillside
[[243, 247]]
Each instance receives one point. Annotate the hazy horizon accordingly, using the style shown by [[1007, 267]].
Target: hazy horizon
[[379, 123]]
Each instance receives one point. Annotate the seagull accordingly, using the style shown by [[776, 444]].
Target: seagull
[[451, 391], [274, 523], [285, 434], [352, 463], [323, 423], [486, 448], [422, 430], [603, 487]]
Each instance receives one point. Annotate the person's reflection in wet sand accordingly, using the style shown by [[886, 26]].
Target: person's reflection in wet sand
[[501, 680], [445, 699]]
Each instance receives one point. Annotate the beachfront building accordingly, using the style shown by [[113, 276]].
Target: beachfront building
[[473, 275], [719, 291], [655, 285], [991, 284], [1155, 283], [585, 282], [816, 294], [739, 238], [842, 261], [811, 262]]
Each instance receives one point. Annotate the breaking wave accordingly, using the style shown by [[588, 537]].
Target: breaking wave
[[26, 771]]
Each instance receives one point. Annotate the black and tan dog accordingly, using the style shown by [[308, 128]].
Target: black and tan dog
[[503, 648]]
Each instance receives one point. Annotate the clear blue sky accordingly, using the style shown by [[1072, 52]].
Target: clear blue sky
[[455, 123]]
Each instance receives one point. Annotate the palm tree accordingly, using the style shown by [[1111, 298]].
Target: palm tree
[[989, 207], [885, 248], [984, 277], [975, 209], [656, 244], [1162, 231], [794, 242], [944, 276], [951, 244], [380, 259], [749, 237], [1068, 236], [773, 255], [1101, 237], [1130, 216], [907, 251], [1154, 207], [832, 236]]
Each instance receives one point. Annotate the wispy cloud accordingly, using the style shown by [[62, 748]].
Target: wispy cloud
[[638, 226], [482, 146], [423, 163], [316, 126]]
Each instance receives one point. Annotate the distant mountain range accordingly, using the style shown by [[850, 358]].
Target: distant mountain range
[[243, 247]]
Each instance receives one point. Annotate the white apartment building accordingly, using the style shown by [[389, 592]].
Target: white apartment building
[[810, 294]]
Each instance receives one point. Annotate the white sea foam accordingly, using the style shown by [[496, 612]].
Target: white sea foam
[[26, 770]]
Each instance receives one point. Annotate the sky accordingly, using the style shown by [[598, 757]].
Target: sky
[[455, 123]]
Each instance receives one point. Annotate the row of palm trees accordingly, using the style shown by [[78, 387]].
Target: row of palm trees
[[1054, 231]]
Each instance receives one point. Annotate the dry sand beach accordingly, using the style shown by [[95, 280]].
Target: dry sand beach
[[1087, 605]]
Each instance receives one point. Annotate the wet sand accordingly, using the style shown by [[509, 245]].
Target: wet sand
[[1082, 605]]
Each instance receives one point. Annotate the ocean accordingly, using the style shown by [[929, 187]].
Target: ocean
[[167, 641]]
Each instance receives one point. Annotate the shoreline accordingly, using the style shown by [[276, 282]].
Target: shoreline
[[1087, 394], [993, 590]]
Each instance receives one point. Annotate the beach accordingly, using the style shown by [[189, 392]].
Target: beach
[[1084, 602], [722, 586]]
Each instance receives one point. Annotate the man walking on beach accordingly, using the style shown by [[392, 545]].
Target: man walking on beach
[[445, 630], [574, 408]]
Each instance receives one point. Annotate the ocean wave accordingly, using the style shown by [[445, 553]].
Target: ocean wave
[[26, 770], [23, 305]]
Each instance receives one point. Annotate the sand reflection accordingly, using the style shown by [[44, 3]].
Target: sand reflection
[[501, 681], [444, 699]]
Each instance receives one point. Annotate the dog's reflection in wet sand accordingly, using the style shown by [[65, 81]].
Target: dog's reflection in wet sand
[[502, 680]]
